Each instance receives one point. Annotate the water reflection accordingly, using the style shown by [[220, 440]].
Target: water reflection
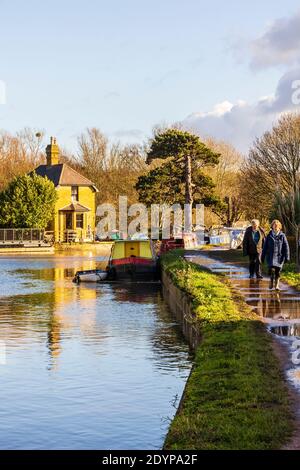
[[271, 305], [286, 330], [88, 366]]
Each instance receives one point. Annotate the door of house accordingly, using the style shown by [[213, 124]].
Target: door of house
[[69, 221]]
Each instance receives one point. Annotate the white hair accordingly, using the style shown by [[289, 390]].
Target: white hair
[[255, 222]]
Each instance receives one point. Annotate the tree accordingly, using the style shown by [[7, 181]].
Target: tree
[[27, 202], [113, 168], [180, 178], [19, 153], [287, 208], [226, 176], [273, 165], [93, 150]]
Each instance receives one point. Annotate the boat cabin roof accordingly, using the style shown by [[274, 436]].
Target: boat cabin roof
[[136, 248]]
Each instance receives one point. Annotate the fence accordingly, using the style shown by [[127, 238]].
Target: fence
[[70, 236], [23, 237]]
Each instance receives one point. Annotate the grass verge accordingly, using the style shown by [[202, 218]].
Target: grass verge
[[235, 397]]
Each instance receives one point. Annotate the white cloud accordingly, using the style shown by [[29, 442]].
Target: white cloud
[[278, 45], [240, 123]]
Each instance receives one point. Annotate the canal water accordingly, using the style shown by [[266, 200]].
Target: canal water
[[85, 367]]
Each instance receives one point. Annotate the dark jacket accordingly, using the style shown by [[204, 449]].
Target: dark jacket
[[249, 246], [276, 250]]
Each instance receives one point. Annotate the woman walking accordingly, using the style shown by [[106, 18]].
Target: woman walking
[[276, 251]]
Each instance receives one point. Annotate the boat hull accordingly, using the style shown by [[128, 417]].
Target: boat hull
[[92, 275], [92, 278], [141, 269]]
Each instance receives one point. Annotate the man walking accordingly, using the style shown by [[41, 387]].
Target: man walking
[[253, 243]]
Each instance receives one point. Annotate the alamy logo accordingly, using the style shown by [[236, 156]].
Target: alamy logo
[[296, 93], [158, 221], [2, 92], [296, 353]]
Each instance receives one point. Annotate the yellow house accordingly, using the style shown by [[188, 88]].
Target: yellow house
[[75, 209]]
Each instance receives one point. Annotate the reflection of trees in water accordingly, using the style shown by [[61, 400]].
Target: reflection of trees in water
[[141, 293], [280, 309], [170, 351], [286, 330], [275, 306], [70, 308], [47, 274], [23, 314], [34, 314], [60, 271], [54, 339], [24, 309]]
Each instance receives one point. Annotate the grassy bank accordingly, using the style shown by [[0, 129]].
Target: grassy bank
[[235, 397], [289, 273]]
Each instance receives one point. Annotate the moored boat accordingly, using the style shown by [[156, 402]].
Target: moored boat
[[133, 259]]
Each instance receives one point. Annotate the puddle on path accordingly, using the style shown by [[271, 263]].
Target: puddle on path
[[286, 330], [279, 310], [269, 304]]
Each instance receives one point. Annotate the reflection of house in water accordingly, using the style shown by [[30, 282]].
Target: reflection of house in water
[[73, 309], [61, 312]]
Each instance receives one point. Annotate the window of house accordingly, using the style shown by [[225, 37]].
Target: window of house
[[75, 193], [79, 220]]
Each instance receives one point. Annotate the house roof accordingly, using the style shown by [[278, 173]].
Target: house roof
[[75, 207], [63, 175]]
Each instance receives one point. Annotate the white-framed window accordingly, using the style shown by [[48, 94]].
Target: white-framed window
[[79, 220]]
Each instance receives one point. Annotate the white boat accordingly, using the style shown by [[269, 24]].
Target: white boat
[[91, 275]]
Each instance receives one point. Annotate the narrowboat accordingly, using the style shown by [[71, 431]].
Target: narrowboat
[[133, 259], [171, 244]]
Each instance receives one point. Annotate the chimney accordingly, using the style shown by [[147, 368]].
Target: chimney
[[52, 152]]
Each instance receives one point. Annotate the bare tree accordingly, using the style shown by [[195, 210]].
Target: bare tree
[[273, 166], [275, 158], [227, 178], [19, 153], [92, 149], [114, 168]]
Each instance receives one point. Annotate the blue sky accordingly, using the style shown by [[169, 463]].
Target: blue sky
[[125, 66]]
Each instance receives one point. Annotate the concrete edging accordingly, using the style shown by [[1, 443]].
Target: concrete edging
[[181, 306]]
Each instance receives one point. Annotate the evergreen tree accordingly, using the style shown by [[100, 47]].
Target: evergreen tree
[[27, 202]]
